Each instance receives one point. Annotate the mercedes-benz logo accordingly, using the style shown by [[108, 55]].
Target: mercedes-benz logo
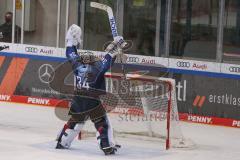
[[46, 73]]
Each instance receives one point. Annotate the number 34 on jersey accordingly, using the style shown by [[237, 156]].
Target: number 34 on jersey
[[82, 83]]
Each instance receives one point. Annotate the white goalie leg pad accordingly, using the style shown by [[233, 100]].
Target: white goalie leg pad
[[70, 134], [110, 133]]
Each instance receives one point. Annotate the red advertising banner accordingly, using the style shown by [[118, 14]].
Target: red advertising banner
[[209, 120], [34, 100], [64, 104]]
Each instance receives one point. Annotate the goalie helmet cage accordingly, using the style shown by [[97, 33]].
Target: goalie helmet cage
[[143, 107]]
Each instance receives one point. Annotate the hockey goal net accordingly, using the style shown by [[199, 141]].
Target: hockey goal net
[[145, 107]]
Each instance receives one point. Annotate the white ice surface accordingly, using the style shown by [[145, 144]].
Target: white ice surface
[[28, 132]]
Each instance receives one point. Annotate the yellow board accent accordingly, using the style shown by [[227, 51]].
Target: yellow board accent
[[139, 3], [18, 4]]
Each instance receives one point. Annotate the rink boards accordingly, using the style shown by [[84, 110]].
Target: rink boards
[[207, 92]]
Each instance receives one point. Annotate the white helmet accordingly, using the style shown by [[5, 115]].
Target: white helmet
[[74, 35]]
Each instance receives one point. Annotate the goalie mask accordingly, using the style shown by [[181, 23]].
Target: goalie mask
[[87, 57]]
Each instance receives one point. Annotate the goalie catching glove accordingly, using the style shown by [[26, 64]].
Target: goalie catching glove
[[74, 36]]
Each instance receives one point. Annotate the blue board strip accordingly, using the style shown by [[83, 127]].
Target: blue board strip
[[34, 57], [190, 72]]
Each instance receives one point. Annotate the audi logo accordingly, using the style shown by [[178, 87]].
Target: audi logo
[[31, 49], [234, 69], [183, 64], [133, 60]]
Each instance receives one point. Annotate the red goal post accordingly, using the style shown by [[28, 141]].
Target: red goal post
[[144, 106]]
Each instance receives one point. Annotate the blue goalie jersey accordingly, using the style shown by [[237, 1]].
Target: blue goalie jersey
[[89, 75]]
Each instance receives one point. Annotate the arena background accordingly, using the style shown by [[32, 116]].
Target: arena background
[[194, 42]]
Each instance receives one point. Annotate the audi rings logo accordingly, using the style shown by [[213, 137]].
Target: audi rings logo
[[234, 69], [183, 64], [46, 73], [31, 50], [133, 59]]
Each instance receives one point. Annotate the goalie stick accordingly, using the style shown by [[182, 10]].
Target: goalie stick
[[110, 16], [113, 27]]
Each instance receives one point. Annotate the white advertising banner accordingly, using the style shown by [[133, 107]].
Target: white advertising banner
[[147, 60], [182, 64], [33, 50], [194, 65], [230, 68]]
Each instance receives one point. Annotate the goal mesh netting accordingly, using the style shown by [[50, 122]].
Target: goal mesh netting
[[144, 107]]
